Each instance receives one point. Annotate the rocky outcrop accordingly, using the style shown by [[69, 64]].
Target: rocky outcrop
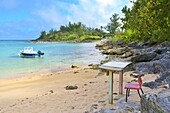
[[160, 64], [104, 43], [115, 50], [156, 103], [146, 58], [162, 80]]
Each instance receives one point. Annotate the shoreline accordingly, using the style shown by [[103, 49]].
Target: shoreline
[[48, 63], [40, 72], [54, 42], [47, 93], [40, 86]]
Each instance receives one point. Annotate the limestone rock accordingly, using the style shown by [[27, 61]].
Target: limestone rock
[[144, 57], [114, 51], [165, 44], [74, 66], [156, 103], [127, 54], [103, 43], [71, 87]]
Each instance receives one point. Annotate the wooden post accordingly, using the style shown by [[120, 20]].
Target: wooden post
[[107, 73], [121, 82], [110, 87]]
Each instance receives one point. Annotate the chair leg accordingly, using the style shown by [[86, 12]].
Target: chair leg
[[139, 93], [142, 91], [126, 94]]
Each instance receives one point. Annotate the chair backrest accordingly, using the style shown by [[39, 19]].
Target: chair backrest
[[140, 80]]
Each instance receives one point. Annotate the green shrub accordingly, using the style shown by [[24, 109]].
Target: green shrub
[[70, 37], [127, 36], [90, 38]]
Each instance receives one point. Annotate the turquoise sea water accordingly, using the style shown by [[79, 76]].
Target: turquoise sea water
[[57, 56]]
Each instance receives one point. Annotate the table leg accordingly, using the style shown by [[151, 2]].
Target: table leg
[[121, 82], [110, 87]]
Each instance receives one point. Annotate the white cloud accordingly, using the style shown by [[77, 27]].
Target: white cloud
[[43, 15], [93, 13], [53, 14], [96, 13], [50, 15]]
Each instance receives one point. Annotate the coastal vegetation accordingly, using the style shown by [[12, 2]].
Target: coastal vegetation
[[80, 33], [146, 20], [72, 31]]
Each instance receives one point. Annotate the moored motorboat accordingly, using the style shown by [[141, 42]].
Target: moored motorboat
[[29, 52]]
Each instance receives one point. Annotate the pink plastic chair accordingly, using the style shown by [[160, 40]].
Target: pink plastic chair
[[134, 86]]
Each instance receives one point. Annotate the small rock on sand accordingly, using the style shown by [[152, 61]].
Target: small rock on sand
[[51, 91], [74, 66], [71, 87]]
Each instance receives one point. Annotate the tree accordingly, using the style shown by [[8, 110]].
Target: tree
[[43, 35], [113, 25], [62, 28], [71, 31], [148, 20], [52, 34]]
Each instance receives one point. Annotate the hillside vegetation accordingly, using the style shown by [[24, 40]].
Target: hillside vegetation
[[146, 20], [75, 31]]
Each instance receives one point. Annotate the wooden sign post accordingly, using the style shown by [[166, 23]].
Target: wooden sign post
[[111, 67]]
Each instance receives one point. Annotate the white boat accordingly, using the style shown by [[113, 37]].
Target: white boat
[[29, 52]]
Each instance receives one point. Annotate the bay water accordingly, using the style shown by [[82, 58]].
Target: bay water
[[58, 56]]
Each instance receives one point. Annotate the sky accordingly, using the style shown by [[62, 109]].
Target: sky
[[25, 19]]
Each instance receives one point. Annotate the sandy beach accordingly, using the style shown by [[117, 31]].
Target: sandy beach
[[46, 92]]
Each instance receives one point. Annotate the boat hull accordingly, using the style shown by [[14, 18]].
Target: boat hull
[[28, 52], [23, 55]]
